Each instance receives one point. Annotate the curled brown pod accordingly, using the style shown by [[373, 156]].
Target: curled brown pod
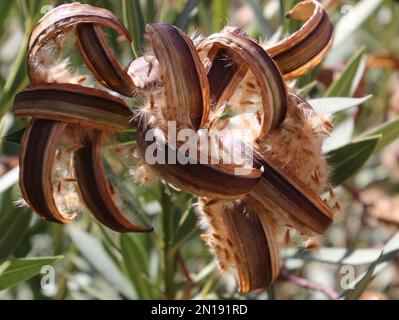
[[243, 240], [304, 49], [102, 61], [248, 55], [37, 159], [86, 22], [60, 157], [95, 189], [182, 75]]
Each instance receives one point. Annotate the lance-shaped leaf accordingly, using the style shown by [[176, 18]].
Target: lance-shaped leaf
[[298, 205], [304, 49], [248, 53], [349, 158], [65, 17], [348, 81], [37, 158], [96, 191], [389, 132], [241, 241], [102, 61], [20, 270], [73, 104], [182, 74]]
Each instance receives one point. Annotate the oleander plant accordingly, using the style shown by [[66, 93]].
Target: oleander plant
[[199, 149]]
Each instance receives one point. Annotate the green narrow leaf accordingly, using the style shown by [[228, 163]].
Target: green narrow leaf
[[290, 25], [14, 137], [13, 227], [306, 79], [187, 14], [9, 179], [35, 8], [150, 11], [6, 122], [389, 131], [2, 81], [263, 25], [346, 160], [328, 106], [131, 200], [220, 10], [361, 285], [353, 19], [92, 249], [346, 82], [205, 272], [389, 252], [5, 7], [20, 270], [134, 20], [124, 137], [282, 11], [186, 230], [17, 76], [136, 262], [4, 266], [306, 89]]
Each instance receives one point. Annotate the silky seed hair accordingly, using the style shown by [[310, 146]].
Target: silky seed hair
[[64, 182], [141, 172], [298, 144], [246, 97], [49, 67], [197, 38], [215, 234]]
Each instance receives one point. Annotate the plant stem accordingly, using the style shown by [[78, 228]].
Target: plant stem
[[271, 293], [169, 252]]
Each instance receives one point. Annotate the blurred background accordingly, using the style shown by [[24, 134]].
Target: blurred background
[[40, 260]]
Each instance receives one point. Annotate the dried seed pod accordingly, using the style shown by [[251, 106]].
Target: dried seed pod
[[73, 104], [182, 75], [196, 177], [95, 50], [67, 16], [241, 241], [289, 197], [102, 61], [295, 171], [304, 49], [248, 53], [37, 159], [95, 190], [287, 171], [187, 100], [55, 108]]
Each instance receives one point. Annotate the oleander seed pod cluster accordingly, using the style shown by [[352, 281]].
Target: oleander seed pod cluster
[[194, 83]]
